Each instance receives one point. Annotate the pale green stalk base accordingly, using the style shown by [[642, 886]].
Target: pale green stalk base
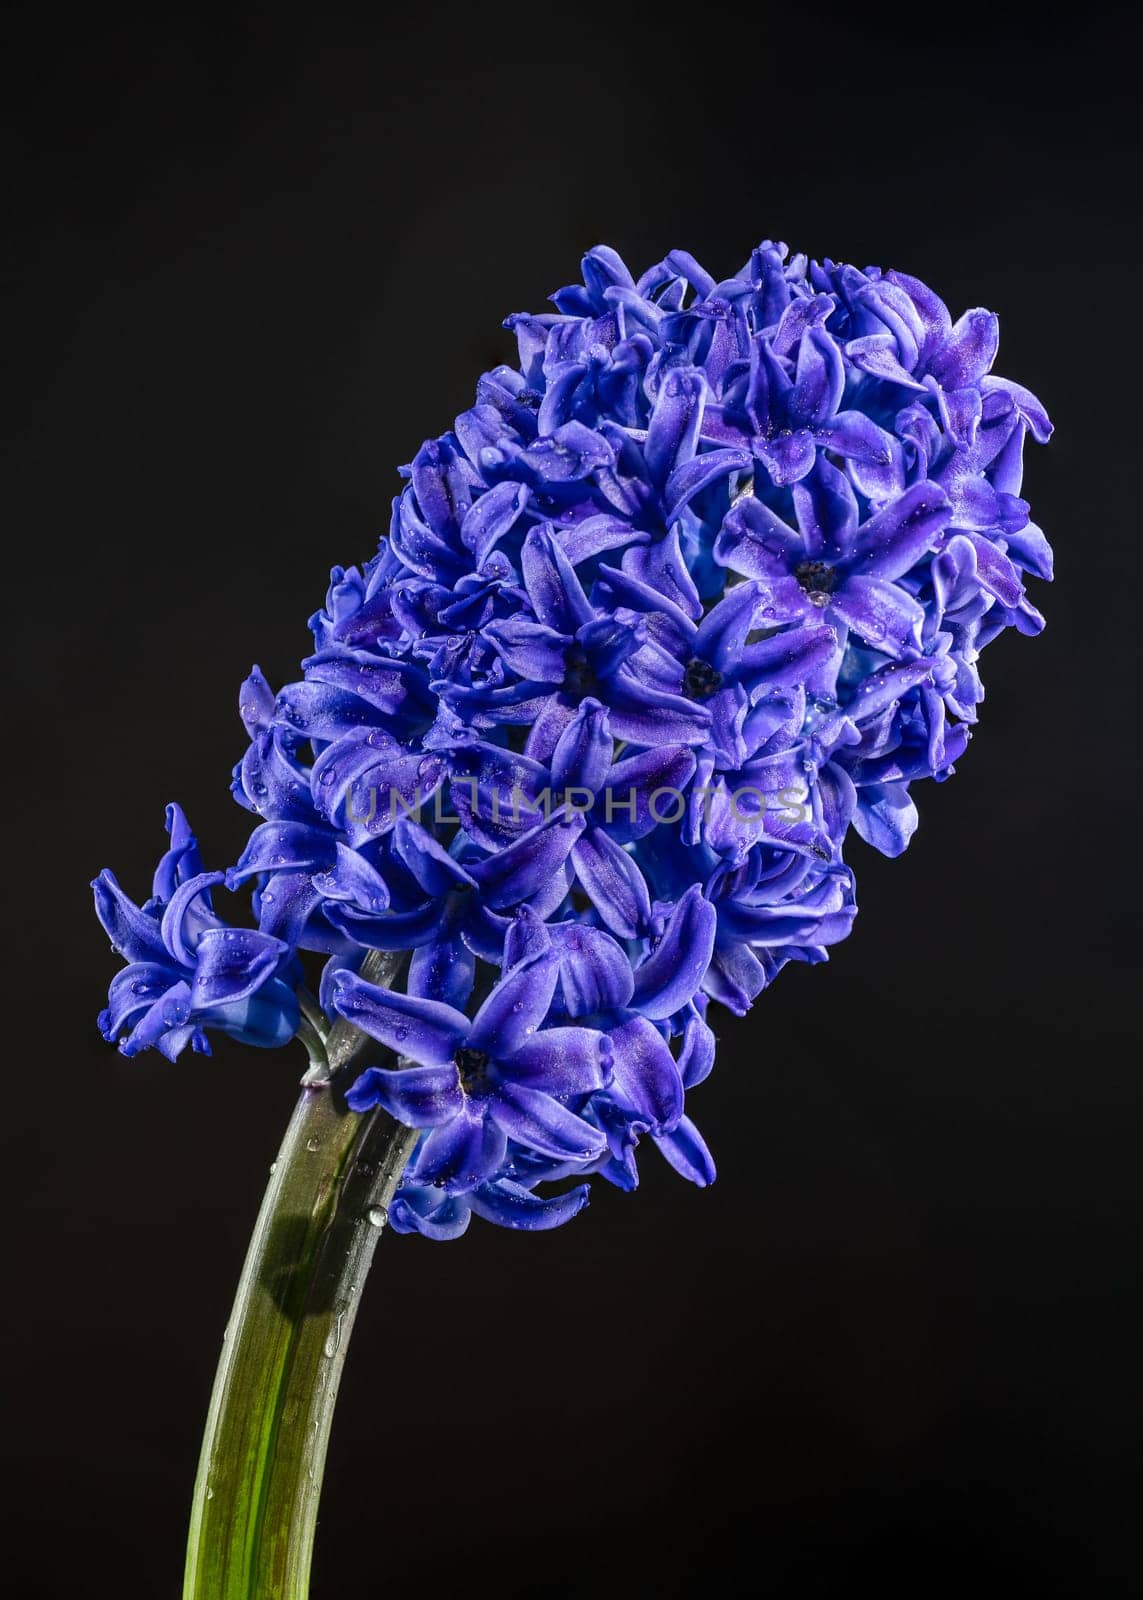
[[263, 1453]]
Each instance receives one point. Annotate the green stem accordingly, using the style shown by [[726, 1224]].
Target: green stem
[[263, 1452]]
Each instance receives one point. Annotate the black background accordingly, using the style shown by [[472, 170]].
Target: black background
[[899, 1340]]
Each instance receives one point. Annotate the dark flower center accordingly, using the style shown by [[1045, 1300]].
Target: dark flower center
[[700, 679], [817, 579], [472, 1065], [579, 676]]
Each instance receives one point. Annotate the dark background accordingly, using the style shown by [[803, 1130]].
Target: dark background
[[898, 1342]]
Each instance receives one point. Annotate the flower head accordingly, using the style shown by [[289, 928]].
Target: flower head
[[697, 587]]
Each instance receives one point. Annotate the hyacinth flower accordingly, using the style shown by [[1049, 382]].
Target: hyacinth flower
[[694, 592], [188, 971], [476, 1083]]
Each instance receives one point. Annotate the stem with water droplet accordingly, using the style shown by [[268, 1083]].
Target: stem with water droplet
[[263, 1453]]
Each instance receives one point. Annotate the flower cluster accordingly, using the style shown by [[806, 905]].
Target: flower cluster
[[186, 969], [698, 586]]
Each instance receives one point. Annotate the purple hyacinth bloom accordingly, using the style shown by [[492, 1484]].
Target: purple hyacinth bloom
[[188, 970], [566, 651], [695, 592], [468, 900], [480, 1082], [834, 567], [431, 1210]]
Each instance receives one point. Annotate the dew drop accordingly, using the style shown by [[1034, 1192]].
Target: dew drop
[[377, 1216], [333, 1340], [313, 1144]]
